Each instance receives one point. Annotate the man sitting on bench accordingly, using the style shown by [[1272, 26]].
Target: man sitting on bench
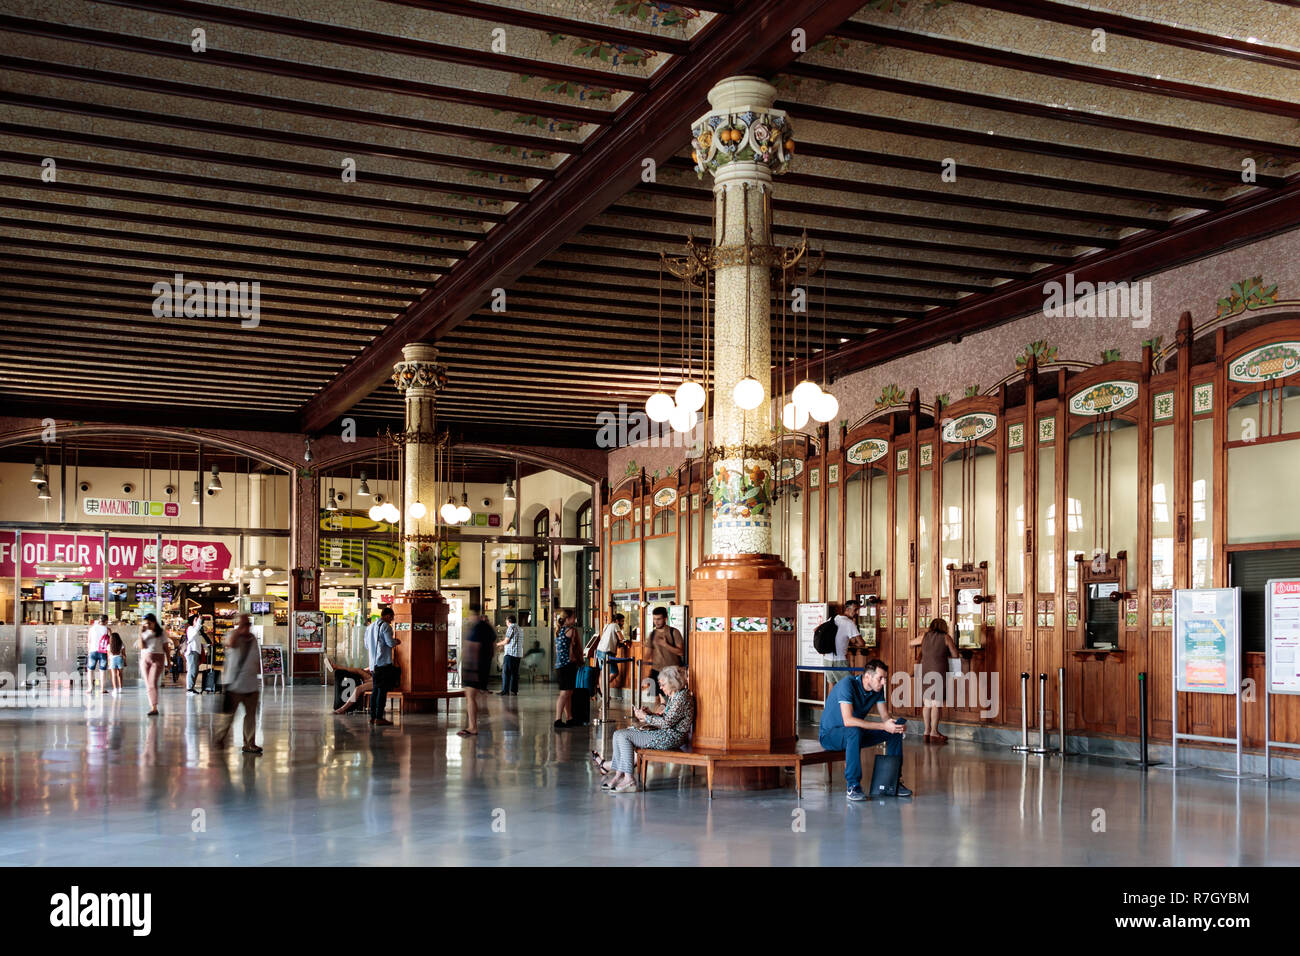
[[844, 726]]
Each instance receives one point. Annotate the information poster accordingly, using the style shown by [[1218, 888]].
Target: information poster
[[309, 632], [272, 660], [1207, 640], [1283, 650], [810, 615]]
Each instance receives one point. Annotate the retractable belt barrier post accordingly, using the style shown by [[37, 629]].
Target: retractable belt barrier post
[[1042, 747], [1144, 760], [604, 698], [1023, 746]]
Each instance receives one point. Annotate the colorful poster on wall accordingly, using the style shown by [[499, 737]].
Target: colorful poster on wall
[[1207, 640], [449, 561], [1283, 650], [309, 632]]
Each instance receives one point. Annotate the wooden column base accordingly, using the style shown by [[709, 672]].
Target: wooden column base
[[420, 623], [742, 661]]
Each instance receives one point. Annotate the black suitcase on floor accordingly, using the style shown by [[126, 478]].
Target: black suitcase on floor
[[582, 705], [210, 681]]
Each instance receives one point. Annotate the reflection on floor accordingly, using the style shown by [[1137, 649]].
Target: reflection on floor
[[103, 785]]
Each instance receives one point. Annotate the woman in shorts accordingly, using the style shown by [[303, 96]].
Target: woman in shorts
[[116, 661]]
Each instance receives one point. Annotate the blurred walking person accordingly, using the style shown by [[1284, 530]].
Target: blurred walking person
[[243, 686], [475, 666], [153, 658]]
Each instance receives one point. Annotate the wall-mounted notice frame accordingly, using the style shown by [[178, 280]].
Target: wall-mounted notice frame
[[1282, 645], [1207, 641]]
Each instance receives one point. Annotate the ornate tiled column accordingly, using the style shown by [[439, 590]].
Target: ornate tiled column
[[742, 653], [419, 611]]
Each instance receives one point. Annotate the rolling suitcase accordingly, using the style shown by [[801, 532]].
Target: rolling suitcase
[[581, 705], [210, 681]]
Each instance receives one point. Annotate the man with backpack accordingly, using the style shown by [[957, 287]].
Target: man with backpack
[[844, 726], [837, 635]]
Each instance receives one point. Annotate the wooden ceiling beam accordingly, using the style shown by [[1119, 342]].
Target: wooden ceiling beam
[[307, 72], [648, 125], [472, 57], [1063, 70]]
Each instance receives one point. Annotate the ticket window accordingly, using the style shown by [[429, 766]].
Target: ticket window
[[865, 588], [1101, 594], [968, 585]]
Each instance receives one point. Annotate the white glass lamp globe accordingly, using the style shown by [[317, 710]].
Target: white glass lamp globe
[[682, 419], [448, 512], [376, 512], [825, 408], [463, 514], [793, 417], [659, 406], [392, 514], [748, 393], [690, 396], [416, 510], [805, 393]]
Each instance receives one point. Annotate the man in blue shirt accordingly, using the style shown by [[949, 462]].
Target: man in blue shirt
[[379, 645], [844, 725]]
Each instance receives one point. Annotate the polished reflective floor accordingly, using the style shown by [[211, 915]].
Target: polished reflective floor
[[101, 784]]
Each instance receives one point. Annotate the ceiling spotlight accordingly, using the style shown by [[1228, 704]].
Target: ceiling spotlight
[[690, 395], [363, 489], [659, 406], [195, 499], [510, 489], [307, 455], [805, 393], [38, 473], [748, 393], [826, 407], [330, 503], [43, 492], [214, 483]]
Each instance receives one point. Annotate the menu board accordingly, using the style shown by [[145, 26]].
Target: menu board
[[1283, 638], [309, 632], [809, 616], [1207, 640]]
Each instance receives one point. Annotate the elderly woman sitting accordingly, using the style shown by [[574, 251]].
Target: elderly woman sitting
[[666, 731]]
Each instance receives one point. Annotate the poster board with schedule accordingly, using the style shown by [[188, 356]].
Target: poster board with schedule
[[1207, 640], [1282, 641]]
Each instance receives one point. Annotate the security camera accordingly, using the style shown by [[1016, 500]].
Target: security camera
[[84, 486], [170, 490], [379, 499], [127, 488], [487, 502], [211, 493], [340, 495]]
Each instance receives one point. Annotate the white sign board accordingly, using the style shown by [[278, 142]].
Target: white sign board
[[809, 616], [1283, 647], [1207, 640]]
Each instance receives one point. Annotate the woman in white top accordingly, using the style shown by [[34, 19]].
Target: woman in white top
[[194, 641], [153, 658]]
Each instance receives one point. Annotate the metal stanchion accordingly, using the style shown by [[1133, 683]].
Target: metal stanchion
[[1042, 716], [1144, 761], [1060, 710], [1023, 746]]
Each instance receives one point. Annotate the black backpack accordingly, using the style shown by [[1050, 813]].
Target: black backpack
[[824, 637]]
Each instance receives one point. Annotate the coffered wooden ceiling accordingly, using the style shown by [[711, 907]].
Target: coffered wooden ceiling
[[480, 167]]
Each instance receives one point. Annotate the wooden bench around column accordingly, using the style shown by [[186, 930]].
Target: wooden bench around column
[[795, 760]]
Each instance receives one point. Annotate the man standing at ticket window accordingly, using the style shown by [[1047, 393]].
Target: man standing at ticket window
[[664, 648]]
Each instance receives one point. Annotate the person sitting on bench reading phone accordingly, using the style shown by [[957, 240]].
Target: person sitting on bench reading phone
[[844, 725]]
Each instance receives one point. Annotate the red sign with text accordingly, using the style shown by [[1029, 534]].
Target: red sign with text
[[206, 559]]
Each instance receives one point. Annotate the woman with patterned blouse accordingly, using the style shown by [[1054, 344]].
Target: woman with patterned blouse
[[666, 731]]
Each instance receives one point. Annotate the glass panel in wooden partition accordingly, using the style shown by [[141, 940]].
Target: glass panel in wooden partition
[[1015, 523], [981, 524], [1102, 495], [879, 527], [660, 553], [625, 566], [1162, 507], [855, 523], [706, 516], [787, 532], [924, 533], [1203, 502], [901, 538], [1045, 535], [1262, 492], [684, 559], [834, 586], [814, 546], [984, 544]]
